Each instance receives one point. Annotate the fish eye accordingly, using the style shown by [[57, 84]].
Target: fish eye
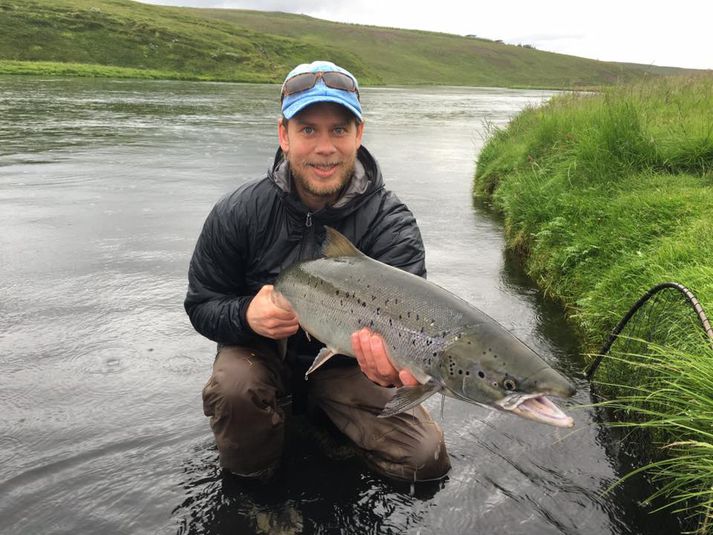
[[509, 384]]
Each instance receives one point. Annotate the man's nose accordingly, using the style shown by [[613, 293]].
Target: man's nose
[[325, 144]]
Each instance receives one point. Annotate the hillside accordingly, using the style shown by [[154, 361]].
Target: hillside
[[81, 36]]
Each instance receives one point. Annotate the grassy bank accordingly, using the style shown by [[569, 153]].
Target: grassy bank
[[604, 196], [255, 46]]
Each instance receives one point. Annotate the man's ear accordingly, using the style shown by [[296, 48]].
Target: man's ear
[[282, 134]]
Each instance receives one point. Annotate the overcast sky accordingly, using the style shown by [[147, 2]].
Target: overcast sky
[[668, 33]]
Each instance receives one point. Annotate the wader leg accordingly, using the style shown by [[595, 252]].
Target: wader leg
[[408, 446], [241, 398]]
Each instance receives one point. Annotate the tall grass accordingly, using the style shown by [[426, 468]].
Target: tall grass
[[672, 397], [604, 196]]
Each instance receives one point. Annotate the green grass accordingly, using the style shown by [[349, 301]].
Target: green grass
[[240, 45], [604, 196], [675, 401]]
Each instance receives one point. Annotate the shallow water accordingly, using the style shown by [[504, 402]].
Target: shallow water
[[104, 186]]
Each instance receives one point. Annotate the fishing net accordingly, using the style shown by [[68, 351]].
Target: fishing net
[[667, 315], [652, 380]]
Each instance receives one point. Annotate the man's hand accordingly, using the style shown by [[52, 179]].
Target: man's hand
[[370, 351], [270, 316]]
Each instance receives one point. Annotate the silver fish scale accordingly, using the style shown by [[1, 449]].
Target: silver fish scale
[[334, 297]]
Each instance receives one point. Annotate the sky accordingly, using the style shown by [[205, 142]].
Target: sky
[[656, 32]]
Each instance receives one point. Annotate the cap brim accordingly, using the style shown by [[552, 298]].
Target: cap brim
[[293, 109]]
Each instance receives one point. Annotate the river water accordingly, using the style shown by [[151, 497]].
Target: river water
[[104, 186]]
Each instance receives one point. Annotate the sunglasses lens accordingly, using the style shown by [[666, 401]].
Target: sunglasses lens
[[300, 82], [338, 80]]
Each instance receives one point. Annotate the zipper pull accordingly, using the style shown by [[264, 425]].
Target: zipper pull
[[308, 223]]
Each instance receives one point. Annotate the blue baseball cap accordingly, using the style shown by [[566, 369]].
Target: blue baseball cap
[[320, 92]]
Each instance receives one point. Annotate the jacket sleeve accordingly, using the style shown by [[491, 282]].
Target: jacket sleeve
[[215, 301], [395, 238]]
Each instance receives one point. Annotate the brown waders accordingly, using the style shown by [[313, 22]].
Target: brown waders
[[243, 397]]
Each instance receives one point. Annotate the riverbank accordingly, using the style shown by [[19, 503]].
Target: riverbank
[[604, 196]]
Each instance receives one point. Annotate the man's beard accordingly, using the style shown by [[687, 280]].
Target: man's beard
[[324, 190]]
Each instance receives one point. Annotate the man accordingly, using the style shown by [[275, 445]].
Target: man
[[321, 176]]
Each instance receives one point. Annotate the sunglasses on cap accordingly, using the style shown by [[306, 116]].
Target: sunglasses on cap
[[307, 80]]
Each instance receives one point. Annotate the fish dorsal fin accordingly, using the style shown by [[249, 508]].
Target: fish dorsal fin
[[337, 244]]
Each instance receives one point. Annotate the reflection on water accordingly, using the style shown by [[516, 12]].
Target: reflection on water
[[104, 186]]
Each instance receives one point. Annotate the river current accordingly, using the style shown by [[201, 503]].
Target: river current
[[104, 186]]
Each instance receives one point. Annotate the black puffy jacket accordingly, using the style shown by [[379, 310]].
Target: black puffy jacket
[[263, 227]]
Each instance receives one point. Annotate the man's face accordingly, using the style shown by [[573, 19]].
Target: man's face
[[321, 144]]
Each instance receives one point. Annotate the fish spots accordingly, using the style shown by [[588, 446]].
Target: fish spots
[[378, 311], [481, 374], [453, 369]]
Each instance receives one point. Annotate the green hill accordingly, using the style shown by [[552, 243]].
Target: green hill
[[125, 38]]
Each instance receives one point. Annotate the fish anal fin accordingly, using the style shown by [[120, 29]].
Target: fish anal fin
[[408, 397], [337, 244], [323, 356]]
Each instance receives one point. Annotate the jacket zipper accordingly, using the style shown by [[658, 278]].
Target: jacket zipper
[[308, 222]]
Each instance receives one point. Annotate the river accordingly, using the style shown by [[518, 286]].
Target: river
[[104, 186]]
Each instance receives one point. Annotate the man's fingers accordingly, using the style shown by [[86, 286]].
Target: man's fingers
[[407, 378], [381, 359]]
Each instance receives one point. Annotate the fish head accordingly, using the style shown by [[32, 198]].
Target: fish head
[[490, 366]]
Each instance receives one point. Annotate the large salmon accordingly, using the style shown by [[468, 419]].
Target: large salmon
[[448, 345]]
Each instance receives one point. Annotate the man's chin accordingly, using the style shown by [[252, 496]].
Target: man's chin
[[320, 187]]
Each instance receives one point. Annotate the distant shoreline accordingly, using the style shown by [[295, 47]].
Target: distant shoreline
[[84, 70]]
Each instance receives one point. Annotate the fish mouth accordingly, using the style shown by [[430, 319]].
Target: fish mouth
[[535, 407]]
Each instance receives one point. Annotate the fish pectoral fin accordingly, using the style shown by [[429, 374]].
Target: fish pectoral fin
[[323, 356], [408, 397]]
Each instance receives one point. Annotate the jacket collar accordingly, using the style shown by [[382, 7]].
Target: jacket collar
[[366, 179]]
